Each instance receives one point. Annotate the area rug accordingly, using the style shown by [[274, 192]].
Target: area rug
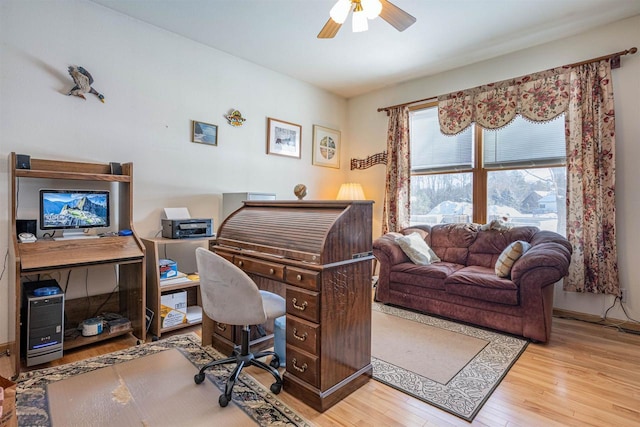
[[147, 385], [450, 365]]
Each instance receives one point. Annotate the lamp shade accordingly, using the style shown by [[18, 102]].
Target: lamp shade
[[340, 10], [359, 21], [372, 8], [351, 191]]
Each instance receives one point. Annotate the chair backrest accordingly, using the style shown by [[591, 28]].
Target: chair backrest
[[228, 294]]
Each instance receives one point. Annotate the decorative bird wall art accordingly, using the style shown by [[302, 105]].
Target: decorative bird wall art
[[83, 81], [235, 118]]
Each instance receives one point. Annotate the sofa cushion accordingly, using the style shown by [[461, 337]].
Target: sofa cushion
[[489, 244], [428, 276], [509, 256], [421, 231], [482, 283], [417, 249], [451, 241]]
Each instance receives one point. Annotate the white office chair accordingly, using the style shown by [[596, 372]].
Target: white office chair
[[230, 296]]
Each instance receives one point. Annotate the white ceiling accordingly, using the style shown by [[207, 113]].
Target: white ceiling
[[281, 34]]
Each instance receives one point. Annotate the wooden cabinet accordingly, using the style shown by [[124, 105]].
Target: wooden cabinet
[[155, 286], [317, 255], [46, 256], [327, 311]]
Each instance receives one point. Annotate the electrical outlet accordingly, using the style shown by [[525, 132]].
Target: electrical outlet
[[623, 295]]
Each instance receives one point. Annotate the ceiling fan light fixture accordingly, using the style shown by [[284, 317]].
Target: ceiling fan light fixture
[[372, 8], [362, 11], [340, 10], [359, 21]]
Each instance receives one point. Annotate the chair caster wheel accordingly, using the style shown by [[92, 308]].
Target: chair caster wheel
[[275, 362], [198, 378], [276, 388], [223, 401]]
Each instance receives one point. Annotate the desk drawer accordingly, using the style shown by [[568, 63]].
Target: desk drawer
[[302, 334], [304, 278], [268, 269], [228, 257], [223, 330], [303, 303], [303, 365]]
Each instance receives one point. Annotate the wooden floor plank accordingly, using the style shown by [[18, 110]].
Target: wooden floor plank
[[586, 375]]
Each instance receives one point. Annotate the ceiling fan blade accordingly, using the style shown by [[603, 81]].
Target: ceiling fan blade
[[395, 16], [329, 30]]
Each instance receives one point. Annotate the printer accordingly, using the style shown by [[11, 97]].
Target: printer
[[186, 228]]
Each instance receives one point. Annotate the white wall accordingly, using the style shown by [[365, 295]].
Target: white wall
[[368, 130], [155, 83]]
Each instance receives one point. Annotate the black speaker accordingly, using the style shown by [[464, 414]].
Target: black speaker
[[26, 226], [116, 168], [23, 161]]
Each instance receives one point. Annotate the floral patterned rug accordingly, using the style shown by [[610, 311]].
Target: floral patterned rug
[[470, 388], [252, 397]]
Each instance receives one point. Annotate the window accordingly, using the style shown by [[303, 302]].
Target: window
[[517, 172]]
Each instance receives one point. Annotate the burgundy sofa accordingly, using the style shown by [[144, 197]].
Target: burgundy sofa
[[464, 285]]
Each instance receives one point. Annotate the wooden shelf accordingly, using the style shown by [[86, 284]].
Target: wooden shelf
[[62, 254], [154, 288], [178, 286], [78, 176], [166, 241], [180, 326], [80, 340]]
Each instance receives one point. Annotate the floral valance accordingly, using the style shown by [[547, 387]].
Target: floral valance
[[538, 97]]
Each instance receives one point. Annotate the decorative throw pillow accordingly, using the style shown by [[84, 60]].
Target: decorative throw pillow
[[417, 249], [509, 256]]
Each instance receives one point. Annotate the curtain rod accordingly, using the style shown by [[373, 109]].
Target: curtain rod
[[615, 63]]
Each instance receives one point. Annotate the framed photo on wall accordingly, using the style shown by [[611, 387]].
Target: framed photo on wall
[[204, 133], [326, 147], [284, 138]]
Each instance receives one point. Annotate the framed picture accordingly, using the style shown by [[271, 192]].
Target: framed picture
[[284, 138], [204, 133], [326, 147]]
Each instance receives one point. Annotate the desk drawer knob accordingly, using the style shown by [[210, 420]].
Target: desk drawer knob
[[299, 368], [271, 271], [221, 327], [240, 263], [299, 307], [299, 277], [302, 337]]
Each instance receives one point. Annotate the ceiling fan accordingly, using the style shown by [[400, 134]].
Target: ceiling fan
[[362, 11]]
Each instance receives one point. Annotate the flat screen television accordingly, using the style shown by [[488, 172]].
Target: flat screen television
[[74, 209]]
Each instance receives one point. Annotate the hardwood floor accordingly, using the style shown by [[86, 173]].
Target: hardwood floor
[[587, 375]]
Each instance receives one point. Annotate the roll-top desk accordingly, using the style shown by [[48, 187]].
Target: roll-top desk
[[317, 255]]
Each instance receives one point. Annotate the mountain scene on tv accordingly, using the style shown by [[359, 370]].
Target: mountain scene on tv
[[75, 210]]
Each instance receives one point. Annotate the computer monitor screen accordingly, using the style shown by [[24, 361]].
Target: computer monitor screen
[[65, 209]]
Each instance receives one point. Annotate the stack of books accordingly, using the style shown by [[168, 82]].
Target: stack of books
[[179, 278], [194, 314]]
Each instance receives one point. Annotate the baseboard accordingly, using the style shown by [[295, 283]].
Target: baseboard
[[592, 318]]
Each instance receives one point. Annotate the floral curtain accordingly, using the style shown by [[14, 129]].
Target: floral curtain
[[591, 228], [538, 97], [395, 214], [585, 94]]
